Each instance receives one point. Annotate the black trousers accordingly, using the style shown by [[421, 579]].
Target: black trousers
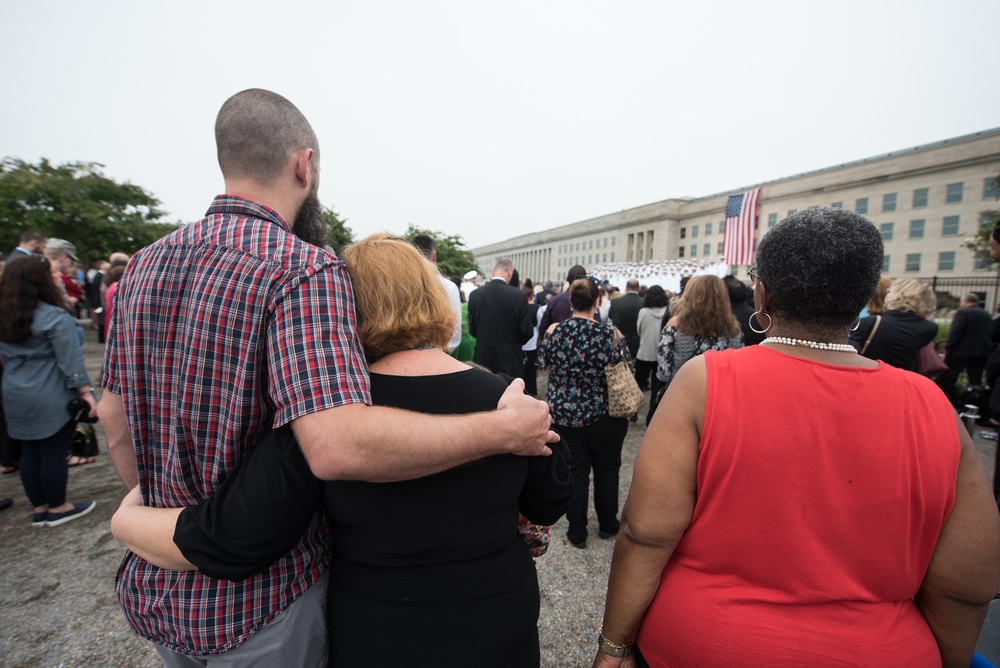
[[643, 371], [974, 366], [597, 446], [531, 372]]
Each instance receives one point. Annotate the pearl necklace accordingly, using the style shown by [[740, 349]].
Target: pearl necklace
[[818, 345]]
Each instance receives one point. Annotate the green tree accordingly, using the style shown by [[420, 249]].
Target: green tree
[[980, 243], [76, 202], [341, 235], [453, 258]]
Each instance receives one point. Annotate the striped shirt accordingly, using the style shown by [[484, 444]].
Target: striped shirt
[[221, 330]]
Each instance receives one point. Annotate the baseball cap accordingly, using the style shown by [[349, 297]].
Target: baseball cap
[[62, 247]]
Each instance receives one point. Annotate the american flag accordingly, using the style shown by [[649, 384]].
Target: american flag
[[741, 223]]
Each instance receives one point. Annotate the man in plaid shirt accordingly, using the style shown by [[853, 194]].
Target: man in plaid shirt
[[238, 324]]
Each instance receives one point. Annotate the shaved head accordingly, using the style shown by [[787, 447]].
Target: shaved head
[[257, 132]]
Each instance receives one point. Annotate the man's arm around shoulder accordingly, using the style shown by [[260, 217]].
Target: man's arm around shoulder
[[378, 444]]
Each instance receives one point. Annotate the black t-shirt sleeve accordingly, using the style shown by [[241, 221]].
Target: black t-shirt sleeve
[[549, 487], [258, 514]]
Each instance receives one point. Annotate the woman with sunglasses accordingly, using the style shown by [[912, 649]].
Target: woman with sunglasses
[[800, 504]]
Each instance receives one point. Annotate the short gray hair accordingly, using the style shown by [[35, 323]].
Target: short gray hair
[[257, 131], [503, 264]]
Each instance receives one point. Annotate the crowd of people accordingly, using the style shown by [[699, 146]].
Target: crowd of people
[[331, 459]]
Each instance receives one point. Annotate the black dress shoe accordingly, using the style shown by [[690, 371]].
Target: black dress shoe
[[608, 534]]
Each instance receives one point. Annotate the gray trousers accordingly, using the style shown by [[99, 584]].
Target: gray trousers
[[295, 637]]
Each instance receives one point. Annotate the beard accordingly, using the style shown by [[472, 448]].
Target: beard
[[309, 224]]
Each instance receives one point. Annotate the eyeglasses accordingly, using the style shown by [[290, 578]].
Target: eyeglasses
[[752, 272]]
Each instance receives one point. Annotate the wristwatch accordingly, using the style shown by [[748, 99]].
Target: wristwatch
[[613, 649]]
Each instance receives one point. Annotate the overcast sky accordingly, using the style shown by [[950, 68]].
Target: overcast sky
[[493, 119]]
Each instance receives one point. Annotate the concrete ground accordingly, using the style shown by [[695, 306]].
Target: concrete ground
[[58, 608]]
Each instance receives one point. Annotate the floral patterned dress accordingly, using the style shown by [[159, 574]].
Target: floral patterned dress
[[575, 353], [676, 347]]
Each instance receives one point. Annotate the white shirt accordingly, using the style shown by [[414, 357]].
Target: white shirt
[[455, 301]]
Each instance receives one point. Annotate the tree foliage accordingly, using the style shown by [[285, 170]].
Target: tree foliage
[[76, 202], [453, 258], [980, 243], [341, 235]]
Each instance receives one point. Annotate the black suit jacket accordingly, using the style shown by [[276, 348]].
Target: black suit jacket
[[16, 253], [501, 323], [970, 334], [898, 339], [624, 313]]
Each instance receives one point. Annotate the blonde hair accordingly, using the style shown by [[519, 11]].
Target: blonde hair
[[876, 305], [400, 301], [704, 308], [910, 294]]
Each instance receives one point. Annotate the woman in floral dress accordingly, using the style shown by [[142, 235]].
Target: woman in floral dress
[[575, 352]]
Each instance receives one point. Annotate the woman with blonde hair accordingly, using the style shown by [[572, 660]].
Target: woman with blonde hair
[[897, 335], [877, 305], [702, 320], [409, 558]]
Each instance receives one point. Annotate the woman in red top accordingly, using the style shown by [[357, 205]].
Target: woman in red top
[[800, 504]]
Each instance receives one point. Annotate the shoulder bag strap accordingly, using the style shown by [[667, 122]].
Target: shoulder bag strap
[[878, 321]]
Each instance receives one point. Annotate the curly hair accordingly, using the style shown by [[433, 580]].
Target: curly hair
[[704, 309], [25, 283], [820, 266], [655, 297], [910, 294]]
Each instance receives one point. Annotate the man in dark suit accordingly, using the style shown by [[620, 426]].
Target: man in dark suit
[[499, 319], [27, 244], [624, 313], [968, 345], [741, 309]]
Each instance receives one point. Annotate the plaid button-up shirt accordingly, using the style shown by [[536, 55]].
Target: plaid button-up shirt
[[220, 331]]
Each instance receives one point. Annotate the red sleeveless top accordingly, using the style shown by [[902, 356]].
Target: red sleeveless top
[[821, 493]]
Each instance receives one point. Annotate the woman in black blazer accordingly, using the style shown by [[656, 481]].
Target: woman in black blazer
[[896, 336]]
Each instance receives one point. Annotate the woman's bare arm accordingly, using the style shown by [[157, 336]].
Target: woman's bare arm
[[964, 571]]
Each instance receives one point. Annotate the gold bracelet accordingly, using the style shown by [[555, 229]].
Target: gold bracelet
[[613, 649]]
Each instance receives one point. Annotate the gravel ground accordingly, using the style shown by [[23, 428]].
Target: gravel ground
[[57, 601]]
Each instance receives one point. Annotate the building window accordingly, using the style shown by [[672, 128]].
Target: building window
[[591, 247], [706, 249], [919, 198], [913, 262], [718, 249], [950, 226], [886, 229], [708, 229], [889, 202], [946, 260], [733, 268], [684, 233], [694, 231], [837, 205], [722, 227], [990, 189], [954, 193], [612, 254], [605, 258], [680, 251], [983, 260], [885, 264], [694, 251], [861, 205], [613, 240], [916, 229], [605, 242], [772, 219], [792, 212]]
